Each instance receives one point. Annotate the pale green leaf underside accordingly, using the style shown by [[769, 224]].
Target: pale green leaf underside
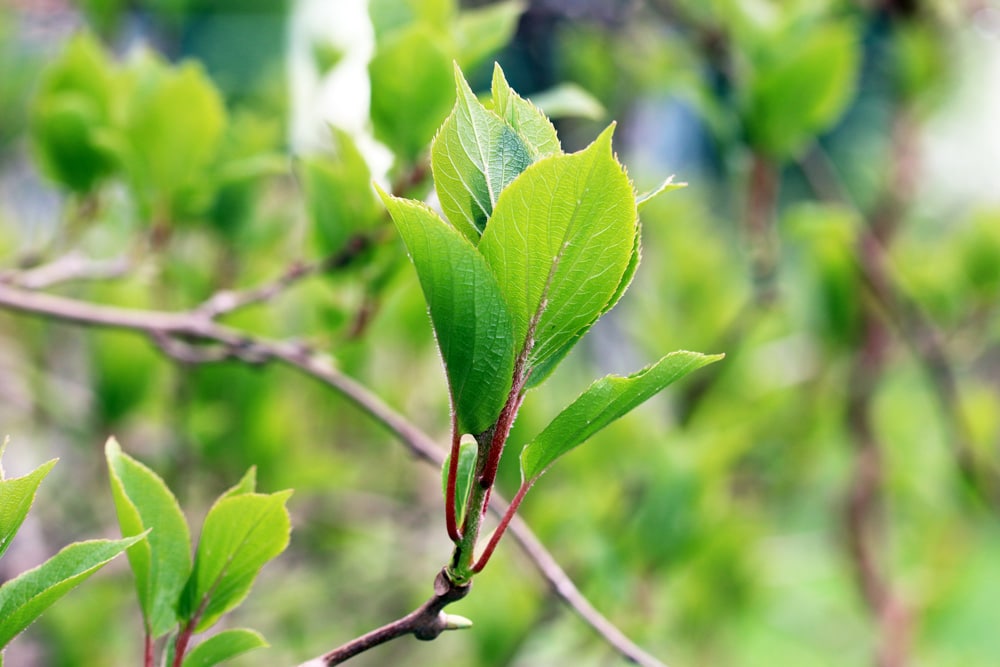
[[568, 100], [16, 497], [475, 155], [241, 534], [24, 598], [463, 480], [560, 241], [223, 646], [161, 563], [527, 120], [602, 403], [470, 318]]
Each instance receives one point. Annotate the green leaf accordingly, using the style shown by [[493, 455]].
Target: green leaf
[[568, 100], [24, 598], [174, 124], [247, 484], [412, 89], [16, 497], [467, 452], [475, 155], [560, 241], [482, 31], [339, 197], [162, 562], [223, 646], [72, 106], [800, 87], [389, 16], [470, 318], [602, 403], [527, 120], [667, 186], [241, 534]]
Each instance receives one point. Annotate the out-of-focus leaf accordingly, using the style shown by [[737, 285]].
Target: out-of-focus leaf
[[72, 107], [389, 16], [412, 88], [800, 86], [24, 598], [482, 31], [162, 562], [339, 196], [568, 100]]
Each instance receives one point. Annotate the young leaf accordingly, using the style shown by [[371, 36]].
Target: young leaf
[[470, 318], [241, 534], [162, 562], [339, 197], [247, 484], [602, 403], [24, 598], [482, 31], [560, 241], [223, 646], [411, 88], [527, 120], [16, 497], [475, 155], [466, 467], [667, 186]]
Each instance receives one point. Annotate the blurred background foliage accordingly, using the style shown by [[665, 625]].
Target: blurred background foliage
[[828, 495]]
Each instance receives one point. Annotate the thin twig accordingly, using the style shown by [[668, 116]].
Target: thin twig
[[173, 329], [71, 267]]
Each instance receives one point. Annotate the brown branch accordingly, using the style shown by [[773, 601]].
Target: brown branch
[[914, 327], [73, 266], [225, 302], [426, 622], [176, 333]]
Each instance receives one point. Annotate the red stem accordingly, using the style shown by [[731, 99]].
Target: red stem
[[502, 526], [180, 648], [504, 424], [450, 511], [149, 653]]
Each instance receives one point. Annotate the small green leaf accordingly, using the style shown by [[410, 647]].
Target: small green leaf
[[247, 484], [467, 452], [527, 120], [568, 100], [73, 104], [223, 646], [241, 534], [602, 403], [560, 241], [24, 598], [16, 497], [800, 86], [339, 196], [667, 186], [475, 155], [470, 318], [412, 89], [162, 562], [482, 31]]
